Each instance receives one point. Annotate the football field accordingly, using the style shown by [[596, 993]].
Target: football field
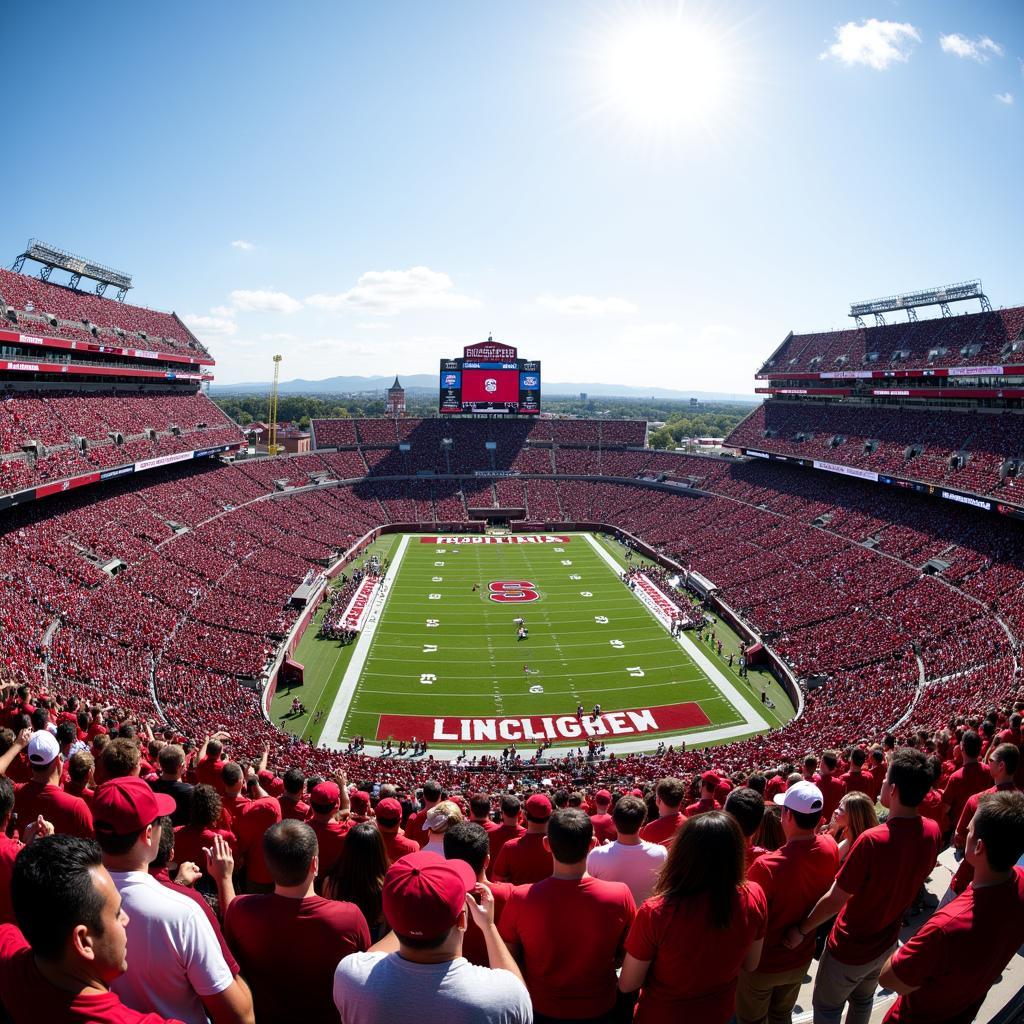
[[440, 658]]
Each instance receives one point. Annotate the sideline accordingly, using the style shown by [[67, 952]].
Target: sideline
[[339, 709], [752, 720]]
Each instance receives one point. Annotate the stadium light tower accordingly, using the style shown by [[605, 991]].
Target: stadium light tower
[[272, 446]]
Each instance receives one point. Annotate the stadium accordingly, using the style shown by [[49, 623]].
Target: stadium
[[245, 663]]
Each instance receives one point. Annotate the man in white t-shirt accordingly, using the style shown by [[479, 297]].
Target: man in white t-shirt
[[418, 972], [175, 964], [629, 859]]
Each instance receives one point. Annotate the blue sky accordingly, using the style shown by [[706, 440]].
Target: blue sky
[[635, 193]]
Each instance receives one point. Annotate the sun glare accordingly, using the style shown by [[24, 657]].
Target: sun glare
[[666, 73]]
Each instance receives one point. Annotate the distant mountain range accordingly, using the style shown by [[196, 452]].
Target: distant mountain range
[[419, 383]]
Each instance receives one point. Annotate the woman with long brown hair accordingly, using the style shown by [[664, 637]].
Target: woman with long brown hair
[[358, 875], [702, 924], [854, 815]]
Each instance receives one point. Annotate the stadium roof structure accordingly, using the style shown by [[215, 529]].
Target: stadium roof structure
[[51, 258], [909, 301]]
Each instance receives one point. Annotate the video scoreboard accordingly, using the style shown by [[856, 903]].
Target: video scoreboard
[[490, 378]]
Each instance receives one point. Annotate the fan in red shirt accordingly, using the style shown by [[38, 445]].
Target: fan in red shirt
[[747, 807], [508, 829], [292, 804], [250, 827], [833, 789], [707, 801], [324, 803], [527, 858], [793, 879], [703, 923], [568, 930], [601, 819], [857, 780], [208, 764], [42, 795], [668, 795], [467, 840], [432, 794], [973, 777], [290, 941], [1003, 765], [190, 840], [876, 884], [72, 929], [480, 812], [396, 842], [10, 847], [944, 972]]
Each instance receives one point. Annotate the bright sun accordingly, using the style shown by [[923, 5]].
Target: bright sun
[[665, 73]]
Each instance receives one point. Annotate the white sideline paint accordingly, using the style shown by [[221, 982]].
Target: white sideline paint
[[751, 719], [339, 709]]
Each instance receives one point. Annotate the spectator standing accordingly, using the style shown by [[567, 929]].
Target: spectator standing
[[414, 824], [480, 812], [568, 931], [748, 808], [427, 978], [396, 842], [629, 859], [857, 780], [832, 787], [875, 886], [704, 922], [72, 942], [172, 769], [178, 968], [707, 801], [437, 821], [292, 805], [42, 795], [324, 803], [945, 970], [668, 796], [793, 879], [972, 777], [358, 876], [854, 815], [527, 858], [467, 841], [601, 819], [510, 827], [289, 942]]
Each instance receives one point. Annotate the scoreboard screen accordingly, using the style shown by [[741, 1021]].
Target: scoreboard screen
[[473, 386]]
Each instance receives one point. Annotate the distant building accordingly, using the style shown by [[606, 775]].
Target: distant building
[[395, 405], [583, 396], [291, 439]]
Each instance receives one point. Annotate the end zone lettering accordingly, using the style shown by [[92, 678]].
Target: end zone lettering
[[634, 722], [480, 539]]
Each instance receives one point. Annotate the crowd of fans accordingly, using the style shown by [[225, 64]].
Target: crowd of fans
[[965, 450], [149, 874], [972, 339]]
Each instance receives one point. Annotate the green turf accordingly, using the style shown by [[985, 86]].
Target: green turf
[[478, 667]]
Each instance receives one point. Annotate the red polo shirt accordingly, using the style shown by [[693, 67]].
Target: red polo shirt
[[523, 860], [663, 830], [501, 835], [68, 814]]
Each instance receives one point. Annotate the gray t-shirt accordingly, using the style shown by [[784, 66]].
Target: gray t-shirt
[[382, 988]]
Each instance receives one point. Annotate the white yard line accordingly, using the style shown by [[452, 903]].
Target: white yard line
[[339, 709], [751, 719]]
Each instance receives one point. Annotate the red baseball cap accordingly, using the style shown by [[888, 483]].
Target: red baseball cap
[[636, 792], [360, 802], [709, 779], [602, 796], [424, 894], [125, 805], [538, 806], [389, 811], [271, 783], [326, 794]]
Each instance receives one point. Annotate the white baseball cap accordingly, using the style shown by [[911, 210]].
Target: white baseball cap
[[42, 749], [802, 797]]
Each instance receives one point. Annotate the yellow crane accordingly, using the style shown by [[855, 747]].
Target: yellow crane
[[272, 446]]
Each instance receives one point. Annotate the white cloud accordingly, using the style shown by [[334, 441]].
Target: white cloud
[[373, 327], [239, 243], [586, 305], [1005, 97], [393, 291], [979, 49], [874, 43], [210, 327], [223, 310], [264, 302], [278, 337]]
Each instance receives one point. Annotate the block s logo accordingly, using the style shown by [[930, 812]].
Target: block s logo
[[490, 385], [513, 591]]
